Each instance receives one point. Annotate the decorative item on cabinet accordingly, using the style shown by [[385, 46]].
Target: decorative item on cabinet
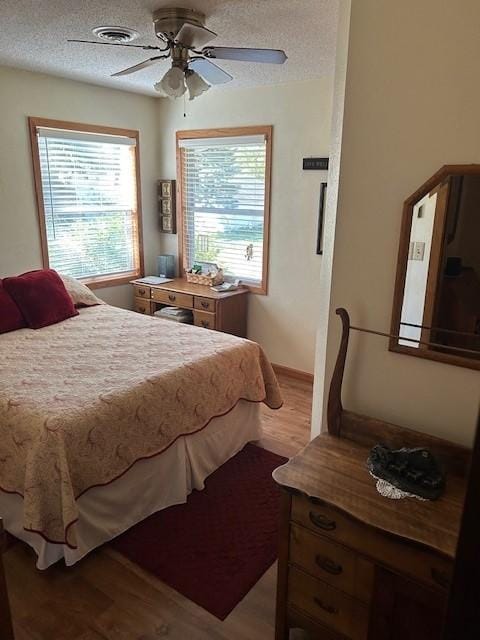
[[167, 206], [352, 562]]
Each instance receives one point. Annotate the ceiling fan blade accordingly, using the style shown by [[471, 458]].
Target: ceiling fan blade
[[271, 56], [209, 71], [192, 35], [147, 47], [137, 67]]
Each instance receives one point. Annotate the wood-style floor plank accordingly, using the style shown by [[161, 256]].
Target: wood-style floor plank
[[107, 597]]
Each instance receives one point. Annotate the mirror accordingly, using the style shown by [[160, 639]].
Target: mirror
[[436, 310]]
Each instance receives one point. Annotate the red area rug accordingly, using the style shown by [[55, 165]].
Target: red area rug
[[214, 548]]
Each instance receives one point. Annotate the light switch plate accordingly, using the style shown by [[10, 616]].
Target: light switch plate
[[418, 251]]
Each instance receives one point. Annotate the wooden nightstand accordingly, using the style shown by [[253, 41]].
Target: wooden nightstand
[[225, 312]]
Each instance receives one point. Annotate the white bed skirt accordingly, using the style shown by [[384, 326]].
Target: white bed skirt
[[149, 486]]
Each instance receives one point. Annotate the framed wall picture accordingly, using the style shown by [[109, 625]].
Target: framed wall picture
[[321, 212], [166, 188], [167, 206]]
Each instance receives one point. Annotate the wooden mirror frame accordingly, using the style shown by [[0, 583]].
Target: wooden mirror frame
[[429, 185]]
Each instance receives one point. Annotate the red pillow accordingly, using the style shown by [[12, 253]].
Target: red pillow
[[11, 317], [41, 297]]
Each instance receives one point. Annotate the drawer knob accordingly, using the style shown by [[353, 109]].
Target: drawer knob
[[142, 292], [322, 522], [204, 304], [326, 607], [440, 577], [329, 565], [172, 298], [204, 323]]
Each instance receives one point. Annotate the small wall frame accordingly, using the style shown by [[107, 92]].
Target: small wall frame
[[166, 190]]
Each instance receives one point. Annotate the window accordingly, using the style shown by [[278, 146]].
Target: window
[[88, 200], [224, 187]]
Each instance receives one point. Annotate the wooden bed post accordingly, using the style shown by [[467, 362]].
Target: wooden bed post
[[334, 406]]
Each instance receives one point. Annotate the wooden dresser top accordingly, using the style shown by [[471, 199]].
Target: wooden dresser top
[[333, 470], [180, 285]]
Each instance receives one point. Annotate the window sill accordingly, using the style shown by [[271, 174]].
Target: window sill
[[258, 289], [101, 282]]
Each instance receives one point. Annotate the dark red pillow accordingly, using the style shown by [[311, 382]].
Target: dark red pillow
[[41, 297], [11, 317]]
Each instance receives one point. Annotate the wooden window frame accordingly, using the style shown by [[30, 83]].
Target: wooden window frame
[[265, 130], [94, 282]]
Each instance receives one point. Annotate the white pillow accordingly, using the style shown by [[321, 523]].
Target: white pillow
[[81, 295]]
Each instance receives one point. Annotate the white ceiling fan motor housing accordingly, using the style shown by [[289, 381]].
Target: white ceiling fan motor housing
[[168, 21]]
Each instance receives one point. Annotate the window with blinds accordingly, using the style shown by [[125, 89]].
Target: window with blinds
[[88, 203], [224, 202]]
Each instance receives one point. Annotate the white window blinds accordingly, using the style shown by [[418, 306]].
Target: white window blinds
[[223, 204], [90, 202]]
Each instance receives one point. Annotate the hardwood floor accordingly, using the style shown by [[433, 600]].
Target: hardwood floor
[[105, 596]]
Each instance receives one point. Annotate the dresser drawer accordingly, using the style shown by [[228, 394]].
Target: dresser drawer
[[429, 568], [142, 306], [204, 304], [139, 291], [329, 606], [332, 563], [204, 319], [172, 298]]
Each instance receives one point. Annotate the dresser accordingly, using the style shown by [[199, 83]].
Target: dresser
[[354, 565], [225, 312]]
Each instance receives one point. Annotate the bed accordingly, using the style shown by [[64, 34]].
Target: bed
[[110, 416]]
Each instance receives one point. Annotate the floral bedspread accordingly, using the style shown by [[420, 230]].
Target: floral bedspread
[[83, 400]]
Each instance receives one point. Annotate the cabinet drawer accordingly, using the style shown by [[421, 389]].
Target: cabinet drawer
[[140, 291], [431, 569], [331, 563], [142, 306], [204, 319], [204, 304], [329, 606], [172, 298]]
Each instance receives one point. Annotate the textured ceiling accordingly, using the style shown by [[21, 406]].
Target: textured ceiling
[[33, 36]]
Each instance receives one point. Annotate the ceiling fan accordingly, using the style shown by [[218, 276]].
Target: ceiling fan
[[184, 37]]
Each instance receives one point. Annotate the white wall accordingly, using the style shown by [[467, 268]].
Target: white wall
[[285, 320], [25, 94], [411, 106]]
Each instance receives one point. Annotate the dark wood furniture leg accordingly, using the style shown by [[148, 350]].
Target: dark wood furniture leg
[[463, 613], [282, 630], [6, 629]]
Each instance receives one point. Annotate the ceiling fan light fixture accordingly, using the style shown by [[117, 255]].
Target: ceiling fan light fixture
[[196, 85], [173, 83]]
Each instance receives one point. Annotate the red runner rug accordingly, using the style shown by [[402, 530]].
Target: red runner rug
[[214, 548]]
